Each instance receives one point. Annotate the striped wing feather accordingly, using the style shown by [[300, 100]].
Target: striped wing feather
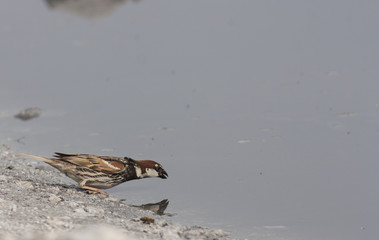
[[97, 163]]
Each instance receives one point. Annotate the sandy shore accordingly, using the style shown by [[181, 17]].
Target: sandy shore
[[37, 202]]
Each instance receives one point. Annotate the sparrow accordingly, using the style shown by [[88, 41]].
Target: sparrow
[[93, 173]]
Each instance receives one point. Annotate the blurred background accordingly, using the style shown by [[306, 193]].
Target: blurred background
[[265, 114]]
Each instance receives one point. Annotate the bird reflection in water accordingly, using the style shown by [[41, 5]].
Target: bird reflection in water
[[157, 208], [87, 8]]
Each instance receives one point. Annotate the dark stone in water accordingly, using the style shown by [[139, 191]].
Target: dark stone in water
[[29, 113]]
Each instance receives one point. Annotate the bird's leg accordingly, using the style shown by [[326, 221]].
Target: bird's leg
[[91, 190]]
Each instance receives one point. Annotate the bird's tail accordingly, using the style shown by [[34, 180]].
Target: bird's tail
[[47, 160]]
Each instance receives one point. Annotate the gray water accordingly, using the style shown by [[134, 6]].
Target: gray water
[[264, 113]]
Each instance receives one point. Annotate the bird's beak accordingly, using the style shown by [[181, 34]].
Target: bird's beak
[[162, 173]]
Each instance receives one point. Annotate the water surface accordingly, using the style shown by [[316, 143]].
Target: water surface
[[264, 114]]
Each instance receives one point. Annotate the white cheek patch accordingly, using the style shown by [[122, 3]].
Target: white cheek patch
[[138, 172], [150, 173]]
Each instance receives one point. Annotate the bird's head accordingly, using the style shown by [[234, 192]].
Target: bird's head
[[150, 168]]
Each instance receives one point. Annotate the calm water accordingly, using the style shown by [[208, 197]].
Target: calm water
[[264, 113]]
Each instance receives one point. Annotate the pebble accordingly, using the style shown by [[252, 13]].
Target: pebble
[[3, 178], [94, 211], [80, 211], [13, 208], [54, 198], [72, 204], [24, 184], [59, 223], [29, 113]]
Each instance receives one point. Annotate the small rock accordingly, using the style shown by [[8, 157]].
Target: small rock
[[94, 211], [29, 113], [73, 204], [3, 178], [54, 198], [80, 211], [13, 207], [54, 190], [24, 184], [147, 220], [112, 199], [59, 223]]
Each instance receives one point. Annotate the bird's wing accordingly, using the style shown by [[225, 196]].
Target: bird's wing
[[97, 163]]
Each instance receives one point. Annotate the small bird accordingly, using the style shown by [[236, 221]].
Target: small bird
[[93, 173]]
